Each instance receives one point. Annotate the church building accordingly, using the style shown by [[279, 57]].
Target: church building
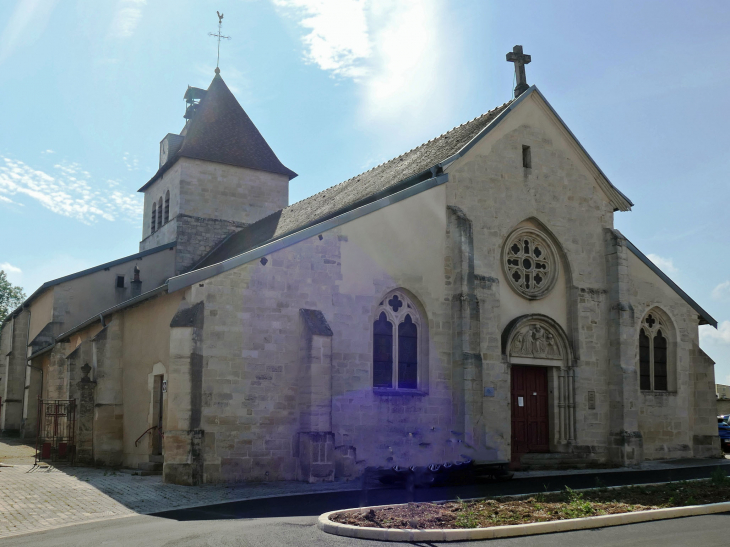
[[468, 299]]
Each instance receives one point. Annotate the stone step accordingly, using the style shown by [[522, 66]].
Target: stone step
[[157, 458], [555, 460]]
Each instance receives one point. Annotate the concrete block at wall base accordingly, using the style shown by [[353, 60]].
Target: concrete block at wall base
[[345, 462], [626, 448], [316, 457], [178, 473], [184, 457], [706, 446]]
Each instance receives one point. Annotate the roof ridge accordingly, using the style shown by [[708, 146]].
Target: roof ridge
[[392, 159]]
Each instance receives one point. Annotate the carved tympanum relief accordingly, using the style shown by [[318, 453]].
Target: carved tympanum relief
[[530, 263], [536, 341]]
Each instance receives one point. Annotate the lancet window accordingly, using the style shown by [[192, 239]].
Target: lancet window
[[153, 219], [159, 214], [167, 206], [653, 354], [397, 342]]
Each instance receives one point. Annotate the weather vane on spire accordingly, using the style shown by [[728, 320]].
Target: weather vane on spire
[[219, 36]]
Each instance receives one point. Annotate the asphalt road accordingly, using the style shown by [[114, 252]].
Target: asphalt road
[[291, 520], [316, 504], [147, 531]]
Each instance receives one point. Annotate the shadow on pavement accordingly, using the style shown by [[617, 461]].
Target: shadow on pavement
[[316, 504]]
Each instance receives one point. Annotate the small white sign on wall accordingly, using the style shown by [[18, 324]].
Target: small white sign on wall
[[520, 401], [164, 386]]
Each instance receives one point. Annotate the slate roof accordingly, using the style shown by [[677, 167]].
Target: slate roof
[[222, 132], [389, 177]]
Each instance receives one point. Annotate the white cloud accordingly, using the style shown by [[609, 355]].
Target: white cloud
[[9, 268], [27, 22], [720, 335], [722, 291], [665, 264], [4, 199], [69, 192], [126, 18], [47, 152], [132, 163], [392, 50], [15, 274], [338, 38]]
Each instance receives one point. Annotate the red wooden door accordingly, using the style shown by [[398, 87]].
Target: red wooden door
[[530, 429]]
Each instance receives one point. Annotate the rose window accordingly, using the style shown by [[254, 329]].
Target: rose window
[[530, 263]]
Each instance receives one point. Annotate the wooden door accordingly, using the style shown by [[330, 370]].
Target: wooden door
[[530, 429]]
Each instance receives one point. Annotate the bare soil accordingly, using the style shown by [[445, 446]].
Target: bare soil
[[541, 507]]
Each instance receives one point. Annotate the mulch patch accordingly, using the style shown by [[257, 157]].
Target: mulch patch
[[541, 507]]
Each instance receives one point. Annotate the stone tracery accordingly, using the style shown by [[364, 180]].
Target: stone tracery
[[530, 263]]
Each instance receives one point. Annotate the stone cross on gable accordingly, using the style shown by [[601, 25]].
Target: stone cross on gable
[[520, 60]]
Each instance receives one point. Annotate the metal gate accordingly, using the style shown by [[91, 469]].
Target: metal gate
[[55, 441]]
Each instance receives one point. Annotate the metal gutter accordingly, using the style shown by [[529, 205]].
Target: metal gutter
[[41, 351], [99, 316], [389, 191], [705, 318], [196, 276]]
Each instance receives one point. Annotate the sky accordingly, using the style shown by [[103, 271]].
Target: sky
[[339, 86]]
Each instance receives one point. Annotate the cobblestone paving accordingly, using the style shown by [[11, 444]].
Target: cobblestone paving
[[16, 452], [34, 499]]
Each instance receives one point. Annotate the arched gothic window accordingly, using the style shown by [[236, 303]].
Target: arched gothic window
[[159, 214], [167, 206], [653, 354], [397, 342], [153, 220]]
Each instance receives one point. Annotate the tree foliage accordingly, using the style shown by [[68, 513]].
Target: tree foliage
[[11, 296]]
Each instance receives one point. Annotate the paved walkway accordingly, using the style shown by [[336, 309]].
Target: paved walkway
[[42, 498]]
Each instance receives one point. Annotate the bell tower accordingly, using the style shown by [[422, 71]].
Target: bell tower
[[215, 177]]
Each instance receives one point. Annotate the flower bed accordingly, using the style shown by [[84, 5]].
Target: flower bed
[[541, 507]]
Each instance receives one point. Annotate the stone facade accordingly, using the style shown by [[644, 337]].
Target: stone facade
[[12, 374], [270, 367], [208, 202]]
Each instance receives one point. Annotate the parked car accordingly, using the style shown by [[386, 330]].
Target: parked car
[[723, 428]]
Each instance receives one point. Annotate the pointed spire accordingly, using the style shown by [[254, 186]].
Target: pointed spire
[[221, 131]]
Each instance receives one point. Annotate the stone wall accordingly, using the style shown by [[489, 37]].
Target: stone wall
[[170, 181], [13, 346], [668, 420], [197, 236], [226, 192], [705, 440], [442, 247], [252, 389], [109, 395], [557, 194]]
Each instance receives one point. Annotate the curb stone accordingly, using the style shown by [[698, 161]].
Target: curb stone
[[395, 534]]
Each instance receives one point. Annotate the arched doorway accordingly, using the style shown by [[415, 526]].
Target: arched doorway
[[541, 383]]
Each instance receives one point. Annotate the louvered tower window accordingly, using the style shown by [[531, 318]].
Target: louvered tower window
[[167, 207]]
